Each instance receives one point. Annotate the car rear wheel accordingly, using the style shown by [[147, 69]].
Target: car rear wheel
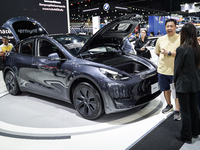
[[87, 101], [11, 83]]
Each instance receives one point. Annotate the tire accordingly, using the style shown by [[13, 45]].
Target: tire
[[11, 83], [87, 101]]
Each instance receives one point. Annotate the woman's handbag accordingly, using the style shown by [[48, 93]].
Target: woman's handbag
[[146, 53]]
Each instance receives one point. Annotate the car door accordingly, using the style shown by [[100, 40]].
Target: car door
[[22, 63], [50, 78]]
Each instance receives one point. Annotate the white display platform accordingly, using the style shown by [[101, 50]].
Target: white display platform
[[32, 117]]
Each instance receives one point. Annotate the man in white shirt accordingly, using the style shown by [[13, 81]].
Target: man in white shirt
[[5, 47]]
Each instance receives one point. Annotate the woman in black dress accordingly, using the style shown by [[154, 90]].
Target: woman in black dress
[[187, 82]]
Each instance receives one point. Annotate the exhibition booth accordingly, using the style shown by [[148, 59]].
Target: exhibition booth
[[31, 121]]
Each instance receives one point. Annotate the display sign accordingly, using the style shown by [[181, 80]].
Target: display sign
[[8, 34], [191, 7], [50, 13], [96, 23], [157, 25]]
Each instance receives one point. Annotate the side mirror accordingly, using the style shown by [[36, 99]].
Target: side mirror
[[53, 57]]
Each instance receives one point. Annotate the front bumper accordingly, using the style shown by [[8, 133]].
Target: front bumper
[[121, 97]]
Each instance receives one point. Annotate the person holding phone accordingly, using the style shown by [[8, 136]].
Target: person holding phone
[[141, 44], [166, 50]]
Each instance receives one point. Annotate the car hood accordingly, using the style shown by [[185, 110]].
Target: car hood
[[24, 27], [114, 33]]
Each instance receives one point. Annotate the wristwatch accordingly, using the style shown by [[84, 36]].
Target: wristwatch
[[169, 54]]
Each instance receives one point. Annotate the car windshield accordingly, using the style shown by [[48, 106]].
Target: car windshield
[[73, 43], [100, 51]]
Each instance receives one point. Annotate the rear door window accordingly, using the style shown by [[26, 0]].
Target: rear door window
[[27, 48]]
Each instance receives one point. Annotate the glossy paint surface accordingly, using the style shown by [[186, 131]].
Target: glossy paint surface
[[123, 81]]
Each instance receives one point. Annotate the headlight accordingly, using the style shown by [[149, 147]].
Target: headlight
[[113, 75]]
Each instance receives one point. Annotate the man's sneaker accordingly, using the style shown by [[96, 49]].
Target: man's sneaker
[[177, 115], [167, 109]]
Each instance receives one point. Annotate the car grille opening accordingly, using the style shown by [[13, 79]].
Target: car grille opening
[[147, 98]]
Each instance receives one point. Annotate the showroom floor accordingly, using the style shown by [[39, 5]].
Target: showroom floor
[[29, 121]]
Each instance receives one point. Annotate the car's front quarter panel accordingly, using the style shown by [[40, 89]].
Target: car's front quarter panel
[[116, 95]]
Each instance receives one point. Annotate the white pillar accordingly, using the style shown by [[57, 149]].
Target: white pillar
[[68, 18], [96, 23]]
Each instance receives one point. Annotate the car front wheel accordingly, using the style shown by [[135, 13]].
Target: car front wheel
[[87, 101], [11, 83]]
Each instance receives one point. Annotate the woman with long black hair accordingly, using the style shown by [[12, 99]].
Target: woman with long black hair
[[187, 82]]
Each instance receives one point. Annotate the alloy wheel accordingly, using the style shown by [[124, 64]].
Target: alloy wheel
[[87, 101]]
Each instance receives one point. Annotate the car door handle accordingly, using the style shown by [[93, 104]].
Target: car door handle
[[14, 59], [35, 64], [39, 65]]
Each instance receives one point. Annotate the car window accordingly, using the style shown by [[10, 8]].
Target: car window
[[99, 50], [46, 47], [27, 47], [72, 43], [16, 48]]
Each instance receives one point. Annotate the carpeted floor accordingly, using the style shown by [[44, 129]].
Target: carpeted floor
[[161, 138]]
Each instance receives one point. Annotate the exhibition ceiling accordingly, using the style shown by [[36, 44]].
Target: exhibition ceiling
[[79, 9]]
